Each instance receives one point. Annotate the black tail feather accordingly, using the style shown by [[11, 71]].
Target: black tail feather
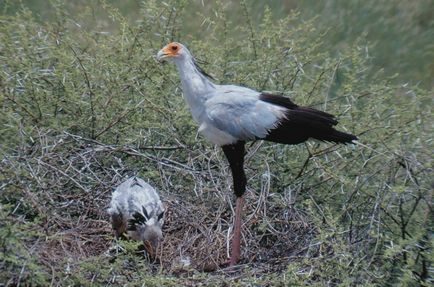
[[338, 137], [304, 123]]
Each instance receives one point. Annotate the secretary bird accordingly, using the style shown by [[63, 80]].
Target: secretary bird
[[136, 210], [230, 115]]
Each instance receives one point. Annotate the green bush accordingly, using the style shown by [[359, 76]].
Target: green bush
[[83, 106]]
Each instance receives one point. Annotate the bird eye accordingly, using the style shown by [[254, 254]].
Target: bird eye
[[174, 48]]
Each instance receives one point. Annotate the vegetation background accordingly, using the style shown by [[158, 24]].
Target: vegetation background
[[84, 104]]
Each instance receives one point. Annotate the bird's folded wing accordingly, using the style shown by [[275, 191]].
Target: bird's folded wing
[[242, 115]]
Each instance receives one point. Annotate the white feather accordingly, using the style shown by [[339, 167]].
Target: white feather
[[130, 197], [225, 113]]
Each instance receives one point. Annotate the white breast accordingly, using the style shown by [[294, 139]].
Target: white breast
[[216, 136]]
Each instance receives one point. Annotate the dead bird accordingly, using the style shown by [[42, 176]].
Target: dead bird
[[136, 210]]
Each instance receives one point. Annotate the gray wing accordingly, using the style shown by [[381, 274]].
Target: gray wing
[[239, 112]]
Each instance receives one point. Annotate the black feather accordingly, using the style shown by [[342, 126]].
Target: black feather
[[160, 216], [302, 123], [135, 182], [131, 226], [138, 219], [278, 100], [145, 213], [202, 71]]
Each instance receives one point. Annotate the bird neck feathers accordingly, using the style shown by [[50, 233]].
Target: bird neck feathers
[[193, 79], [197, 88]]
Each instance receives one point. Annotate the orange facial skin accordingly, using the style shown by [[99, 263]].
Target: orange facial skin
[[171, 49]]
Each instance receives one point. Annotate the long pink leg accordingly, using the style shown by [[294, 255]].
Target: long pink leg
[[236, 240]]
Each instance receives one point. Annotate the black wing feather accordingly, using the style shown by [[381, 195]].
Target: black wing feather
[[138, 219], [302, 123]]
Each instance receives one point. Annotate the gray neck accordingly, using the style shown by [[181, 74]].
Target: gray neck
[[196, 87]]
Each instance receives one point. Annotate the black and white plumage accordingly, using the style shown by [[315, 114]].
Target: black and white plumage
[[230, 115], [136, 210]]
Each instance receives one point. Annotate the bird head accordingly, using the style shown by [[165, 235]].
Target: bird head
[[151, 237], [147, 229], [172, 51]]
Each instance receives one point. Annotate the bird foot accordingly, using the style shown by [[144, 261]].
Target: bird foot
[[227, 266]]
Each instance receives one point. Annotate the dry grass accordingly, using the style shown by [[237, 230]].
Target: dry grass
[[89, 109], [197, 228]]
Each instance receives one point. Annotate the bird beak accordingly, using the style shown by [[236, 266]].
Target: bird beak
[[151, 247], [161, 56]]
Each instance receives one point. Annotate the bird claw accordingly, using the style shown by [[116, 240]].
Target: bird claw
[[229, 266]]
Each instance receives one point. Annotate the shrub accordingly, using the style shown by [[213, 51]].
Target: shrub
[[82, 108]]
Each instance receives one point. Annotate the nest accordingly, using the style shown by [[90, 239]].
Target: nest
[[70, 184], [199, 233]]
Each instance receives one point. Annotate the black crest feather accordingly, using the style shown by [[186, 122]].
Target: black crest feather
[[201, 70]]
